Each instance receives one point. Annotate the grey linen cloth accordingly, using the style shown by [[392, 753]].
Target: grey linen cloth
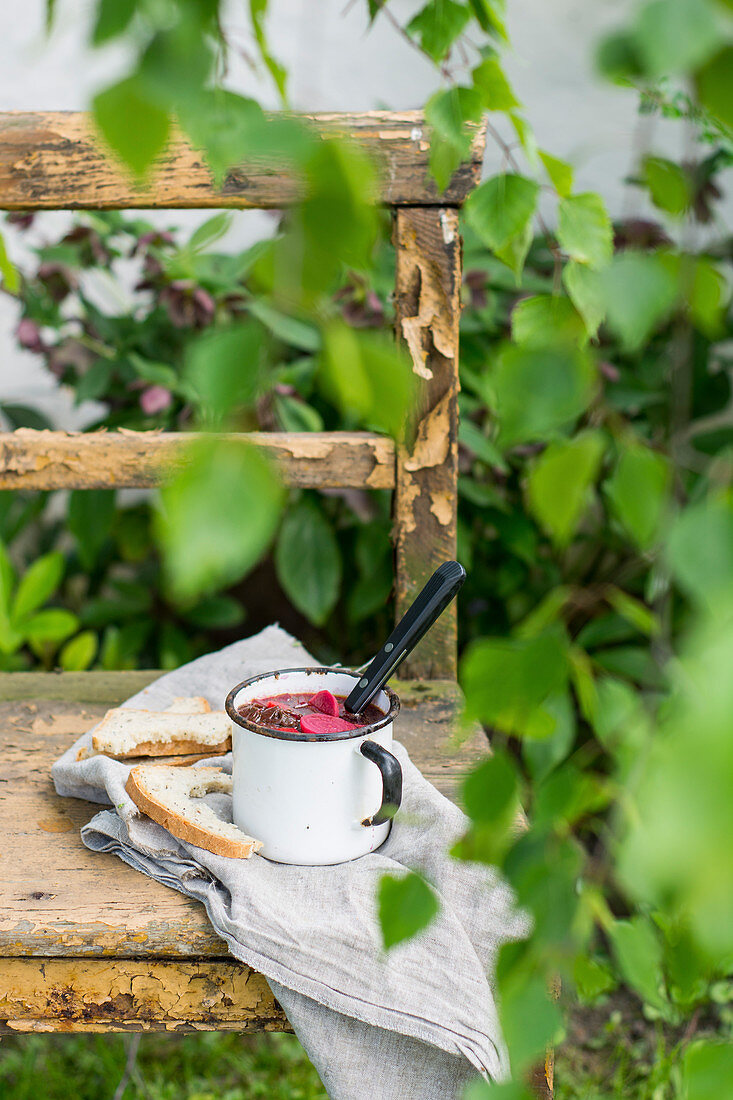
[[417, 1022]]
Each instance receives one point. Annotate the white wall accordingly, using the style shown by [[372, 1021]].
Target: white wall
[[336, 65]]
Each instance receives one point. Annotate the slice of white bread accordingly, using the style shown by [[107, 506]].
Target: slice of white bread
[[124, 733], [182, 704], [171, 796]]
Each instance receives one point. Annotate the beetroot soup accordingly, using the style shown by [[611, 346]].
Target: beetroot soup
[[318, 713]]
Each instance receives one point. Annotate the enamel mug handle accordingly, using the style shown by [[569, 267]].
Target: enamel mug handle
[[391, 771]]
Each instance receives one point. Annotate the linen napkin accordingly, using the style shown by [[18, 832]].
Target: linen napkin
[[417, 1022]]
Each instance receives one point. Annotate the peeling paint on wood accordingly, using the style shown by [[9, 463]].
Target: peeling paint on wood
[[32, 459], [427, 303], [54, 160], [99, 991]]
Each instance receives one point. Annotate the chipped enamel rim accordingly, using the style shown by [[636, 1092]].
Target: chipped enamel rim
[[298, 735]]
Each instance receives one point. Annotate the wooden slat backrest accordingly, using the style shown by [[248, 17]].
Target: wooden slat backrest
[[53, 160]]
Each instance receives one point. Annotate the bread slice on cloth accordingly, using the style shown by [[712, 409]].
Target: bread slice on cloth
[[172, 797], [182, 704], [125, 733]]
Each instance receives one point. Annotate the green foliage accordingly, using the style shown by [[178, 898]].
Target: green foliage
[[500, 213], [437, 26], [406, 906], [132, 123], [217, 516], [539, 392], [25, 621], [308, 561], [559, 482], [638, 491], [584, 229]]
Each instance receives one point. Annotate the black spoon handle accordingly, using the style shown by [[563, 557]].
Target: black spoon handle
[[419, 617]]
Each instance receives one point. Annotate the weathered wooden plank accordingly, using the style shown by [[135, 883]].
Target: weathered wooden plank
[[72, 994], [52, 160], [427, 304], [58, 899], [32, 459]]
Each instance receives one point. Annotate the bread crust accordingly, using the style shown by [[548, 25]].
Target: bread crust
[[172, 748], [179, 826]]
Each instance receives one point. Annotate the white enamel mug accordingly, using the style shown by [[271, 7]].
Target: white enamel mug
[[313, 799]]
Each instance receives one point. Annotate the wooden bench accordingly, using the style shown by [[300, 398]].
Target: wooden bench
[[86, 943]]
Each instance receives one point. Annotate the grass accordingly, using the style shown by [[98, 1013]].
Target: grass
[[613, 1052], [205, 1066]]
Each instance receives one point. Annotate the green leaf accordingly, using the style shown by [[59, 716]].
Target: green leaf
[[638, 492], [634, 611], [559, 483], [446, 113], [538, 393], [308, 561], [79, 653], [334, 226], [257, 11], [541, 757], [584, 229], [490, 795], [489, 15], [94, 382], [406, 906], [232, 129], [90, 517], [714, 83], [8, 270], [223, 369], [560, 173], [547, 320], [584, 682], [213, 229], [506, 680], [490, 792], [24, 416], [37, 585], [218, 516], [216, 613], [492, 85], [357, 369], [668, 185], [7, 580], [638, 954], [674, 36], [707, 295], [291, 330], [133, 125], [585, 289], [113, 17], [158, 374], [699, 550], [473, 439], [707, 1069], [640, 292], [176, 63], [500, 213], [50, 627], [437, 25], [592, 978]]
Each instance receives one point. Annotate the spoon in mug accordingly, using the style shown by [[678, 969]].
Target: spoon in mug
[[432, 601]]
